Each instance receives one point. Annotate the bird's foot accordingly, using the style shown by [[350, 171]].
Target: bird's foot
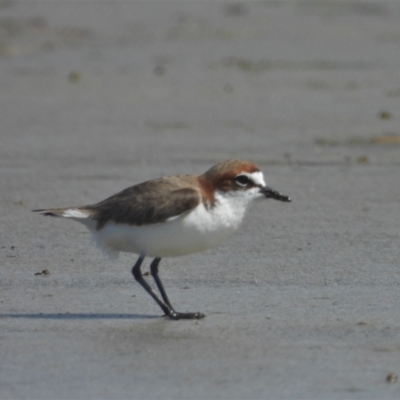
[[177, 315]]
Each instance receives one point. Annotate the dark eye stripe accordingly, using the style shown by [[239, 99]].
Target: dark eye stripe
[[242, 180]]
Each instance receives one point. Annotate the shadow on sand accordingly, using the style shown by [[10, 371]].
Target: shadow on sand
[[78, 316]]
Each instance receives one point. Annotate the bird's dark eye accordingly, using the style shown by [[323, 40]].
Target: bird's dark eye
[[242, 180]]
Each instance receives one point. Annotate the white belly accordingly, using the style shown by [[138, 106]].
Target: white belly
[[198, 230]]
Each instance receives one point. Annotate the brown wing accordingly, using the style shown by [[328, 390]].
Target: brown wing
[[147, 203]]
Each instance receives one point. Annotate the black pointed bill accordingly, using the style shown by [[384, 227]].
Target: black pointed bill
[[273, 194]]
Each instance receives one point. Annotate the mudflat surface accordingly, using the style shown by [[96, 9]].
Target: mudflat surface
[[304, 301]]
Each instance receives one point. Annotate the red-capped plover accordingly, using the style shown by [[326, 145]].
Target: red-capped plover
[[172, 216]]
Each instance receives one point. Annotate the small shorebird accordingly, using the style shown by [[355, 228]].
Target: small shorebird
[[172, 216]]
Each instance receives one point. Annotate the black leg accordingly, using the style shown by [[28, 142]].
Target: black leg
[[137, 273], [157, 280], [165, 305]]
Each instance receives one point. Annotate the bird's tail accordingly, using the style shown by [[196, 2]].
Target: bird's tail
[[69, 212], [79, 214]]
